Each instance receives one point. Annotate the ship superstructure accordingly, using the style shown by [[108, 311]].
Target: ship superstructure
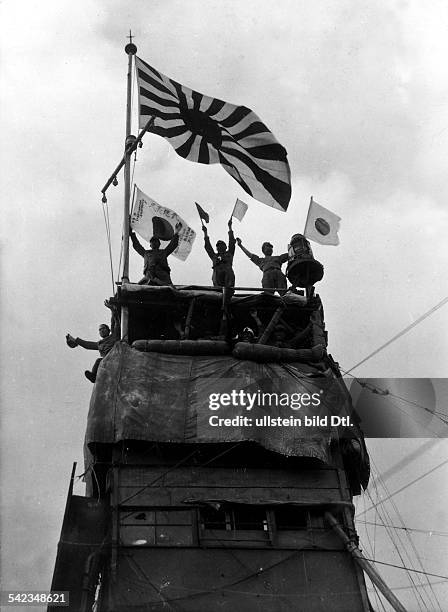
[[222, 451], [188, 514]]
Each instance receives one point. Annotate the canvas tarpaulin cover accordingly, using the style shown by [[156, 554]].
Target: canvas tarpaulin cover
[[166, 398]]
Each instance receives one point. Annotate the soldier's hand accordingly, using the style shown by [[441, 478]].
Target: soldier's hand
[[238, 241], [109, 305], [230, 223], [71, 342], [204, 229]]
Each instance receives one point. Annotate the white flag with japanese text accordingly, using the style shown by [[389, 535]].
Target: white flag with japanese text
[[150, 219]]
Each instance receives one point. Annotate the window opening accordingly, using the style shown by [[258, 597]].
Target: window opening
[[290, 518]]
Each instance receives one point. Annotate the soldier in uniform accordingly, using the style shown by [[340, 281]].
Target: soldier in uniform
[[222, 259], [271, 266], [156, 270], [104, 345]]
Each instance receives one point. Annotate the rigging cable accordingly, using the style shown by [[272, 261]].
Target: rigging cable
[[391, 535], [221, 454], [402, 332], [408, 569], [403, 488], [430, 532], [405, 588], [133, 564], [396, 546], [404, 462], [107, 223], [226, 588], [170, 469], [377, 596], [397, 543], [146, 486], [408, 401], [121, 257], [373, 554], [387, 393], [409, 539]]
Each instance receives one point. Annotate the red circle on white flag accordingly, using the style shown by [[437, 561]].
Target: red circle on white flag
[[322, 226]]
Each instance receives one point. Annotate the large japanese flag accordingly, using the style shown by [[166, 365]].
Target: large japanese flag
[[208, 131], [150, 219]]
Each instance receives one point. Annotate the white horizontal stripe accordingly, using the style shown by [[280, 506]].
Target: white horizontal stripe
[[258, 191], [157, 105], [171, 123], [258, 140], [151, 89], [164, 79], [242, 124], [175, 141], [275, 167], [162, 96], [226, 110]]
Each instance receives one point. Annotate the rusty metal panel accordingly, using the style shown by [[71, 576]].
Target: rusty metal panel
[[175, 496], [234, 477], [83, 532], [194, 580]]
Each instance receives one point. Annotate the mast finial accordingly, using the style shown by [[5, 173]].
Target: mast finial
[[130, 48]]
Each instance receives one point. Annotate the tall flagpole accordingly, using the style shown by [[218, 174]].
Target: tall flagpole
[[131, 50], [308, 214]]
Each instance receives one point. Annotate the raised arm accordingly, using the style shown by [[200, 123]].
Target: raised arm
[[207, 245], [136, 244], [172, 245], [251, 256], [231, 247], [115, 320]]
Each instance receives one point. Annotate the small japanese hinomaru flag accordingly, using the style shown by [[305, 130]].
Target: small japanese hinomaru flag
[[240, 209], [150, 219], [321, 225]]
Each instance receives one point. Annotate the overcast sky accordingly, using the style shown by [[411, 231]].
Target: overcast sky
[[357, 92]]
